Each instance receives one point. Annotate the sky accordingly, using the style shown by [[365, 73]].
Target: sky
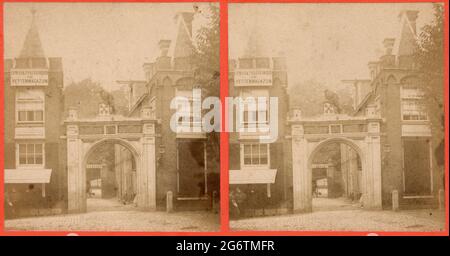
[[111, 41], [102, 41], [322, 42]]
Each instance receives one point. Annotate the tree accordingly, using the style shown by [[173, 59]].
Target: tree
[[206, 59], [429, 57], [86, 96], [312, 98], [207, 53]]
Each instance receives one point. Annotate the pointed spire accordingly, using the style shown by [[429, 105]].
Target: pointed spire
[[407, 38], [254, 47], [255, 43], [32, 47], [182, 45]]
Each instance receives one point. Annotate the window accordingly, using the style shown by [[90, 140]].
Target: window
[[255, 117], [256, 108], [31, 153], [255, 154], [413, 110], [413, 107], [262, 63], [30, 106], [245, 63], [189, 115], [31, 116]]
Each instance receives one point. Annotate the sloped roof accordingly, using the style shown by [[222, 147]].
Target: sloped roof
[[182, 45], [406, 40], [32, 46]]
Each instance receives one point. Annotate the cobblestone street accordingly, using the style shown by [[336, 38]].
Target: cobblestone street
[[110, 215], [337, 215]]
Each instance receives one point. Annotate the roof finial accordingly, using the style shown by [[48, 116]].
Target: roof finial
[[32, 47]]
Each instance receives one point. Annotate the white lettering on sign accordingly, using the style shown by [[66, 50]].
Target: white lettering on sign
[[253, 77], [27, 77]]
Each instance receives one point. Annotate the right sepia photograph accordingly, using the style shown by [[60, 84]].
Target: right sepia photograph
[[337, 117]]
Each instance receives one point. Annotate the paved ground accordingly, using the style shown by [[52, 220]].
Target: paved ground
[[339, 215], [110, 215]]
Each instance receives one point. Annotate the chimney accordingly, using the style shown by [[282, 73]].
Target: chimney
[[164, 47], [373, 66], [148, 70], [388, 59], [388, 45]]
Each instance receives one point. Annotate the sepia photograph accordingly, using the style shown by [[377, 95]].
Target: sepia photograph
[[224, 118], [89, 117], [341, 119]]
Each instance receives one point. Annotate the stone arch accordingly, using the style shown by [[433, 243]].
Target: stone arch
[[322, 144], [91, 149], [329, 141], [304, 150], [340, 140], [104, 141]]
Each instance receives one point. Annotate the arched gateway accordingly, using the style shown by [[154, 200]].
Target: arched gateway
[[135, 134], [362, 134]]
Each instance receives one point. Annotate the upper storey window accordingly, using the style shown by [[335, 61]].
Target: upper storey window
[[412, 105], [30, 106]]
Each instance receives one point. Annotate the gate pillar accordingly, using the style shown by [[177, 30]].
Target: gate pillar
[[301, 176], [147, 174], [372, 179], [76, 183]]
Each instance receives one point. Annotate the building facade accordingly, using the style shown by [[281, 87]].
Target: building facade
[[384, 147], [259, 168], [408, 162], [34, 152], [184, 162]]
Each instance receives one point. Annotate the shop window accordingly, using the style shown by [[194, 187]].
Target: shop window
[[417, 166], [255, 155]]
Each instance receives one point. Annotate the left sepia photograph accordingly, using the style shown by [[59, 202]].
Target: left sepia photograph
[[104, 125]]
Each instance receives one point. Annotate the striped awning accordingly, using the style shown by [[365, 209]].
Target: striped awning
[[27, 176]]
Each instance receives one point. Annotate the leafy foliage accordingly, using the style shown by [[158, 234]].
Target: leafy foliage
[[207, 53], [207, 62], [86, 96], [429, 57]]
